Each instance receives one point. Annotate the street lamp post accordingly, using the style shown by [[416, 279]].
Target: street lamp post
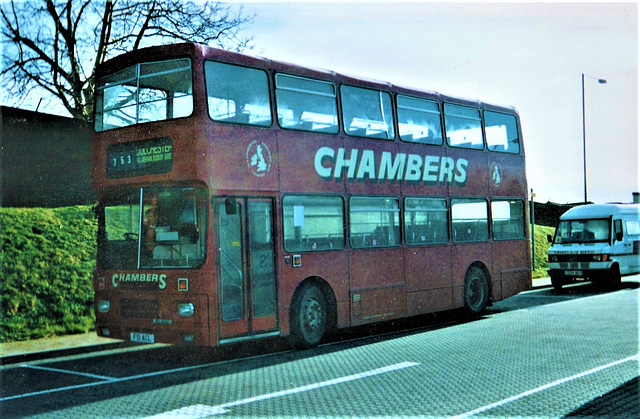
[[584, 137]]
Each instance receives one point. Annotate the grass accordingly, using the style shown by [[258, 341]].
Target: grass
[[540, 251]]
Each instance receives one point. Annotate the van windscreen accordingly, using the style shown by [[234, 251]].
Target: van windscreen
[[583, 231]]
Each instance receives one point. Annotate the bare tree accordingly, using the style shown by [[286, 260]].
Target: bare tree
[[56, 45]]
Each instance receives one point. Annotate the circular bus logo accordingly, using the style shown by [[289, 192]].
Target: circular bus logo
[[496, 174], [258, 157]]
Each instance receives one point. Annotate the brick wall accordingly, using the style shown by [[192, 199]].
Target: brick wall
[[45, 160]]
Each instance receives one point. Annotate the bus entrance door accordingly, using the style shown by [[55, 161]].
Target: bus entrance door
[[247, 281]]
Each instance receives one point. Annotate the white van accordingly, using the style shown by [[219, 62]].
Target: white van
[[596, 242]]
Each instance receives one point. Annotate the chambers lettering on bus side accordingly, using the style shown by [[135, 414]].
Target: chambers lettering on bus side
[[361, 165]]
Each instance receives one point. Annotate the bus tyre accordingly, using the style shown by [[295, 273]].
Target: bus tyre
[[476, 291], [308, 316]]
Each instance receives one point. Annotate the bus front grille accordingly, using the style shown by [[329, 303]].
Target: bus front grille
[[138, 308]]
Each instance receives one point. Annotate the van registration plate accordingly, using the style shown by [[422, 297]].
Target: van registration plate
[[142, 337], [573, 273]]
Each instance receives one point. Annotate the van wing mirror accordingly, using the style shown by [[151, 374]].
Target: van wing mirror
[[549, 238], [617, 228]]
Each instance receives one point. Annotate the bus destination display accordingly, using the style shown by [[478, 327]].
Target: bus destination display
[[140, 158]]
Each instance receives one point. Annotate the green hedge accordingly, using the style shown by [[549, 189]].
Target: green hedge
[[47, 256]]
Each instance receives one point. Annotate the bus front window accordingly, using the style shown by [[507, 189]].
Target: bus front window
[[150, 228], [145, 92]]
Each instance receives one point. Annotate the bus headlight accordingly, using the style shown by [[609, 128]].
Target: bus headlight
[[186, 310], [600, 258], [104, 306]]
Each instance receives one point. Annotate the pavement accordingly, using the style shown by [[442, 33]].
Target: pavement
[[25, 351]]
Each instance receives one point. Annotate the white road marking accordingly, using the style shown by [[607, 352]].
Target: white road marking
[[544, 387], [201, 411], [130, 378], [84, 374]]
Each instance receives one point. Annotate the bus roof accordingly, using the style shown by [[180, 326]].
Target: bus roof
[[156, 53], [601, 211]]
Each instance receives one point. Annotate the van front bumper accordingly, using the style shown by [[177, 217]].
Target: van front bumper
[[579, 269]]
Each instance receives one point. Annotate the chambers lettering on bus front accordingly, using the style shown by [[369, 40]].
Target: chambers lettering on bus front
[[385, 166]]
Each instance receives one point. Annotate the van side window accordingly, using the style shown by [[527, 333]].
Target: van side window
[[633, 227]]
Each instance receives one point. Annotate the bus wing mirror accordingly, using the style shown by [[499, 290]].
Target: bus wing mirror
[[230, 207], [619, 236], [549, 238]]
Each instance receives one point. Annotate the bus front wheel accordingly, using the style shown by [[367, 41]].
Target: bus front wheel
[[476, 291], [308, 316]]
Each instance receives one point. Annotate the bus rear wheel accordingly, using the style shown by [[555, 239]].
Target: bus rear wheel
[[308, 316], [476, 291]]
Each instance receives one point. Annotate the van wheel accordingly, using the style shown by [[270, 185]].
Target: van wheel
[[476, 291], [308, 316], [556, 282], [614, 278]]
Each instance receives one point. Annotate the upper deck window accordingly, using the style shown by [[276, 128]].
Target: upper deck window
[[237, 94], [419, 120], [501, 131], [306, 104], [463, 127], [145, 92], [367, 113]]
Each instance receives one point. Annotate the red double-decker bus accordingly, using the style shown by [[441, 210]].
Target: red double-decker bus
[[241, 198]]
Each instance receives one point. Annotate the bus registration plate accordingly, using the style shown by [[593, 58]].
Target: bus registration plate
[[142, 337], [573, 273]]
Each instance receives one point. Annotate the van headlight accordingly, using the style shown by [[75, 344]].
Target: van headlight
[[186, 310], [104, 306]]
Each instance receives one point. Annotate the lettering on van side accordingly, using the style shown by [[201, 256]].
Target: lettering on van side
[[161, 279], [411, 168]]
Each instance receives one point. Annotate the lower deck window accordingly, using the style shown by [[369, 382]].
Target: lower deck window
[[507, 219], [469, 220], [374, 222], [426, 221], [313, 223]]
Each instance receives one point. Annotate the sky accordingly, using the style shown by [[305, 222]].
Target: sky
[[527, 55]]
